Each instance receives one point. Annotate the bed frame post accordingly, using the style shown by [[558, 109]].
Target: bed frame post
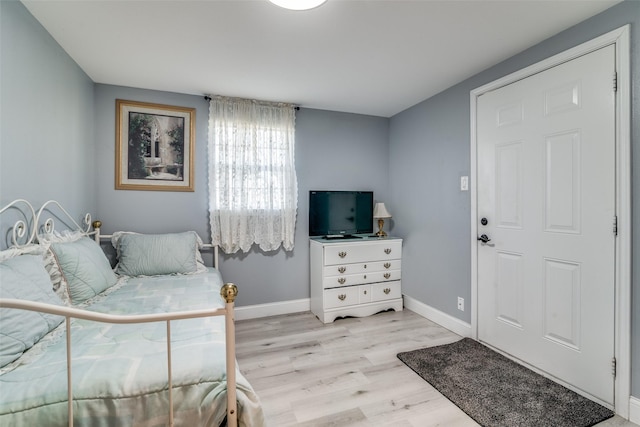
[[69, 383], [96, 226], [229, 292]]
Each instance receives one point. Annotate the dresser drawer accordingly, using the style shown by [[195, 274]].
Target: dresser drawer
[[360, 278], [341, 297], [357, 253], [361, 267], [385, 291]]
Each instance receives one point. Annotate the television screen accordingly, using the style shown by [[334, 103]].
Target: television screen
[[340, 213]]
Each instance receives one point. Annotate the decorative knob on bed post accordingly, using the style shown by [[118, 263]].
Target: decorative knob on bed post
[[96, 226], [229, 292]]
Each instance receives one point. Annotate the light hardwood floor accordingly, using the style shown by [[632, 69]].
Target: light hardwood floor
[[346, 373]]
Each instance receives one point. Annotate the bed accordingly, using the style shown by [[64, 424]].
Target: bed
[[81, 345]]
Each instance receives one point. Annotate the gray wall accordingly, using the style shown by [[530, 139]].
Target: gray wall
[[429, 146], [327, 144], [46, 120], [334, 151], [148, 211]]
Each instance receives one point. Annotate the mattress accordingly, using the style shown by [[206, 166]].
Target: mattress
[[119, 372]]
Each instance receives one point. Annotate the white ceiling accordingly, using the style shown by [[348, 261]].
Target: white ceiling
[[363, 56]]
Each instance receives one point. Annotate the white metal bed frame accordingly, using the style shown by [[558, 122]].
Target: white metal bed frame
[[228, 292]]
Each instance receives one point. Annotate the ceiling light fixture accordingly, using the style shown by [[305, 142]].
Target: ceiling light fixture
[[298, 4]]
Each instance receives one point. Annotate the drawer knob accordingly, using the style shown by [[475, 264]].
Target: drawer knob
[[365, 276], [387, 265], [342, 297], [342, 269], [387, 275], [386, 291], [341, 280], [342, 254], [365, 292], [387, 251]]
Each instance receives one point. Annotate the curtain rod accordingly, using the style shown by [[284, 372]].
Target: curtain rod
[[208, 98]]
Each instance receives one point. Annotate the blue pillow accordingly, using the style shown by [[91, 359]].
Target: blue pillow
[[24, 277], [84, 267], [157, 254]]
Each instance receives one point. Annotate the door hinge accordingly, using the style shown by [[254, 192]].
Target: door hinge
[[613, 367], [615, 225], [615, 81]]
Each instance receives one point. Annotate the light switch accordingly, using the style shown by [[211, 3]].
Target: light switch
[[464, 183]]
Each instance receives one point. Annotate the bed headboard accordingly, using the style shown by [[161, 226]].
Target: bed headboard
[[17, 224], [21, 224], [52, 213]]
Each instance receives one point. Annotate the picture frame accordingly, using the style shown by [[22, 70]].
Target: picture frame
[[154, 146]]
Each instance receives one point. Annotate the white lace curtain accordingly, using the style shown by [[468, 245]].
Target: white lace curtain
[[253, 192]]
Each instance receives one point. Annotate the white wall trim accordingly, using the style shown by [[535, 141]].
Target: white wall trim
[[443, 319], [634, 410], [619, 38], [272, 309]]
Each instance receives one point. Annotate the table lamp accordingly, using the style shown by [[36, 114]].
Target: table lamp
[[380, 213]]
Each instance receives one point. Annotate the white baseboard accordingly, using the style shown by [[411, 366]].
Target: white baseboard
[[272, 309], [296, 306], [634, 410], [443, 319]]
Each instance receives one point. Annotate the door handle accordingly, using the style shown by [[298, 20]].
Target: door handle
[[485, 240]]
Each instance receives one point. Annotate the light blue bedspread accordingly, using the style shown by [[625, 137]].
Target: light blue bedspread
[[120, 371]]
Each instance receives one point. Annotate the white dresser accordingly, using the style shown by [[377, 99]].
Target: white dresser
[[355, 277]]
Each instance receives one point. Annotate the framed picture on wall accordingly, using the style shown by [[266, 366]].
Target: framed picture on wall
[[154, 146]]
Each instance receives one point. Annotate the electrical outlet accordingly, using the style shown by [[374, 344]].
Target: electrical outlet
[[460, 303]]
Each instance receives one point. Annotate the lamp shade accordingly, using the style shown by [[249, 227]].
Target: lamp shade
[[298, 4], [380, 211]]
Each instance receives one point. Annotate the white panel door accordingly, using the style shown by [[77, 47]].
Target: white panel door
[[546, 187]]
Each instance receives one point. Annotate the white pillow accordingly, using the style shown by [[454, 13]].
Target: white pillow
[[65, 236], [83, 268], [25, 250], [52, 266], [158, 254], [24, 277], [48, 262]]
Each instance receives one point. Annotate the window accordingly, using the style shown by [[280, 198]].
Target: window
[[252, 179]]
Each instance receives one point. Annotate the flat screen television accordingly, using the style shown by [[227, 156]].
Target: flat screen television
[[340, 213]]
